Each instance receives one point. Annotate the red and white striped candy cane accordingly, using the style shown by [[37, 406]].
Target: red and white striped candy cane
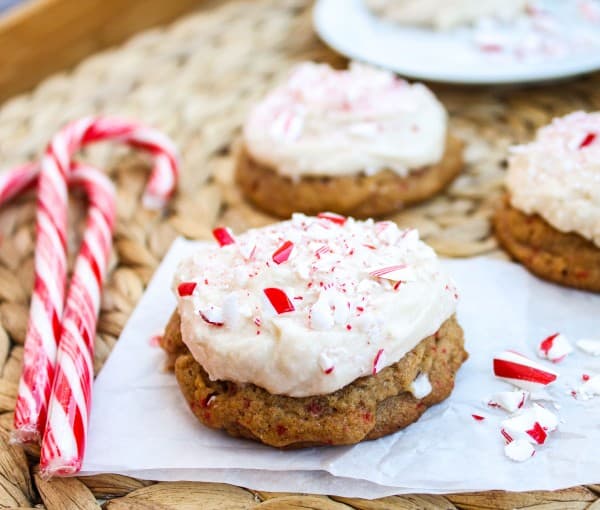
[[163, 178], [18, 180], [47, 299], [65, 435]]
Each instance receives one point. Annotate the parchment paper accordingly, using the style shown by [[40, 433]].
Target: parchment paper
[[141, 425]]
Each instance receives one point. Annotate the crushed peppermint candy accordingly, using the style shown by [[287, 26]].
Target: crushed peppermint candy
[[212, 315], [589, 389], [519, 450], [589, 346], [395, 273], [223, 236], [186, 288], [420, 387], [333, 217], [587, 140], [555, 348], [282, 254], [533, 425], [278, 298], [521, 371], [510, 401], [478, 417], [378, 362]]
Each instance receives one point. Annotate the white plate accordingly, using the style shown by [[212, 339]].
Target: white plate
[[450, 56]]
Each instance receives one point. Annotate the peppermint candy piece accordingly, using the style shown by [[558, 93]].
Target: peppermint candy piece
[[524, 373], [532, 425], [279, 300], [186, 288], [555, 348], [223, 236], [396, 273], [378, 362], [510, 401], [420, 387], [282, 254], [212, 315], [589, 346], [333, 217], [519, 450], [587, 140], [589, 389]]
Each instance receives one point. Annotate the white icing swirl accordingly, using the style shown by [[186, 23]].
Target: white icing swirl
[[345, 323], [445, 14], [324, 122], [558, 175]]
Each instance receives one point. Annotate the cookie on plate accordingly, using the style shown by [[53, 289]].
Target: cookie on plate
[[314, 331], [358, 142], [444, 14], [550, 218]]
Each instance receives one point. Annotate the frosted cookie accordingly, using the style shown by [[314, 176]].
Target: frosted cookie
[[550, 219], [358, 142], [318, 330], [445, 14]]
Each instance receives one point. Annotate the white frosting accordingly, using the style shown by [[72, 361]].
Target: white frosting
[[345, 324], [557, 178], [324, 122], [444, 14]]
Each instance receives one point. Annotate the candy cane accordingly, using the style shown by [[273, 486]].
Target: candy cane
[[162, 180], [47, 300], [18, 180], [70, 400]]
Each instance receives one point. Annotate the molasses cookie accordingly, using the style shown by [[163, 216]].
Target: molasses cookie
[[550, 219], [358, 142], [314, 331]]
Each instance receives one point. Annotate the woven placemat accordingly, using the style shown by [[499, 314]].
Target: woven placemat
[[195, 80]]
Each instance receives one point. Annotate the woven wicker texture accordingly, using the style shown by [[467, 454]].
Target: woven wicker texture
[[195, 80]]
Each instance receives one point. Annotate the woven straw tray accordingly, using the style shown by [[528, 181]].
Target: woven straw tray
[[195, 80]]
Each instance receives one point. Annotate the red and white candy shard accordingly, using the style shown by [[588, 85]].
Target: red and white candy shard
[[519, 450], [589, 346], [223, 236], [420, 387], [212, 315], [396, 273], [589, 389], [522, 372], [282, 254], [378, 362], [279, 300], [333, 217], [555, 348], [326, 363], [588, 139], [532, 425], [186, 288], [510, 401]]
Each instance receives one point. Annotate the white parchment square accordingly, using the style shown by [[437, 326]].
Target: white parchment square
[[141, 425]]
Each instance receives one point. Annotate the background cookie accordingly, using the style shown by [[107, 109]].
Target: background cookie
[[565, 258], [360, 196]]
